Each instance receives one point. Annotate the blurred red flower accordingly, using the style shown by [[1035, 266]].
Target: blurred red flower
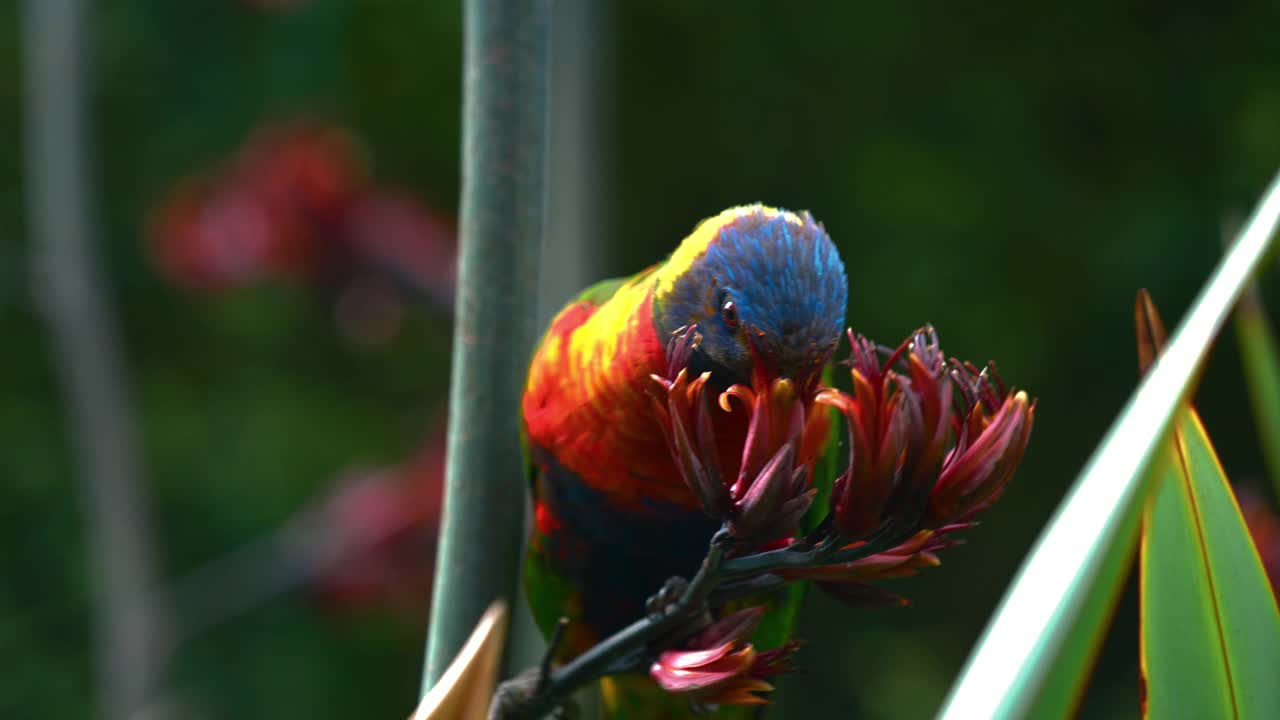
[[719, 667], [268, 213], [379, 537], [296, 203]]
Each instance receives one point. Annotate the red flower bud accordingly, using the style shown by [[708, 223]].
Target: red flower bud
[[719, 667], [925, 449]]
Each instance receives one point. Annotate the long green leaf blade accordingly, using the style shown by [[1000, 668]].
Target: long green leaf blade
[[1210, 627], [1261, 360], [1023, 649]]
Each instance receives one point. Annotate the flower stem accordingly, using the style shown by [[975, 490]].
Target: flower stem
[[130, 623], [803, 556]]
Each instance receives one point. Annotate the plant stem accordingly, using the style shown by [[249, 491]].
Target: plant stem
[[1259, 358], [70, 292], [738, 589], [503, 198], [803, 556]]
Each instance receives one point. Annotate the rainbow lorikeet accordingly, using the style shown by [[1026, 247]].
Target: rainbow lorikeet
[[613, 519]]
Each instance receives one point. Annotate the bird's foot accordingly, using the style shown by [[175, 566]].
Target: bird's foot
[[510, 697], [667, 600]]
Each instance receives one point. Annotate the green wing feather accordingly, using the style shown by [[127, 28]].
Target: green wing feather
[[599, 293]]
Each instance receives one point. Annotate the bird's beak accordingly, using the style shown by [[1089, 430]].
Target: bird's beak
[[803, 375], [803, 369]]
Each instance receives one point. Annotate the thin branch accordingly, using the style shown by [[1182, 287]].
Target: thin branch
[[718, 581], [827, 552], [70, 292]]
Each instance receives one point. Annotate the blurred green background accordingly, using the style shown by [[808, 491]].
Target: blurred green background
[[1012, 175]]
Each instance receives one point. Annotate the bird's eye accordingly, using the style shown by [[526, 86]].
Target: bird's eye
[[729, 313]]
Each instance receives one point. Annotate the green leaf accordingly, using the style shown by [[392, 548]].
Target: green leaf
[[1039, 643], [1210, 628], [1261, 360]]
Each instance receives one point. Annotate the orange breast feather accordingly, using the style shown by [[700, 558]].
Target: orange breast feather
[[586, 400]]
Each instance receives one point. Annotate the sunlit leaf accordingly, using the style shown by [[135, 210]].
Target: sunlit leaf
[[1035, 645], [1210, 631], [1260, 357]]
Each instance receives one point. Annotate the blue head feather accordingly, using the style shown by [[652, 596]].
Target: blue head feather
[[788, 290]]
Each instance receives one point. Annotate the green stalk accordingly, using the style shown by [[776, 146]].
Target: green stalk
[[73, 294], [504, 119], [1032, 647], [1261, 360]]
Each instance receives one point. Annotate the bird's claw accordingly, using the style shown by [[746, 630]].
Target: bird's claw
[[667, 600], [511, 695]]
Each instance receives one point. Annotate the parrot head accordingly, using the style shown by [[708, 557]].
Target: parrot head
[[766, 289]]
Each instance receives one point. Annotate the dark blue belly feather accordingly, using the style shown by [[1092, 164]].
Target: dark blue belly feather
[[617, 556]]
